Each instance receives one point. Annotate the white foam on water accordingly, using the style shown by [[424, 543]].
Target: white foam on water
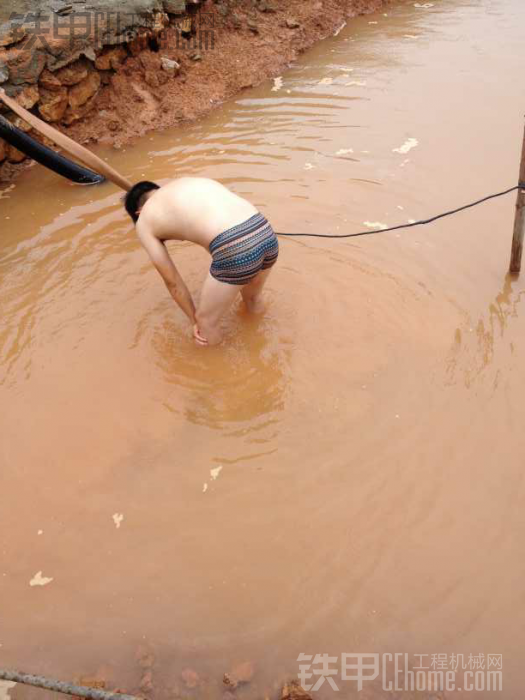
[[214, 473], [204, 488], [326, 81], [39, 580], [277, 83], [359, 83], [407, 146], [308, 166], [117, 519], [344, 151], [374, 224], [423, 6]]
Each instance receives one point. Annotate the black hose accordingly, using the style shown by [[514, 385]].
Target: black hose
[[46, 156]]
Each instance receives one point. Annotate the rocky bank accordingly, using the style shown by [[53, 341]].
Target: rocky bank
[[109, 71]]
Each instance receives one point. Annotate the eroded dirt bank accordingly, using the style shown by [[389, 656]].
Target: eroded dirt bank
[[109, 72]]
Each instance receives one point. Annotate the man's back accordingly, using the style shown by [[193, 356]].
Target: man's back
[[193, 209], [240, 240]]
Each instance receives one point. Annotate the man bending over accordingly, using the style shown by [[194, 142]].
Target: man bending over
[[240, 240]]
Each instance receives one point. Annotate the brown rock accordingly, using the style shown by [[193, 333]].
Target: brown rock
[[242, 673], [14, 35], [14, 155], [53, 105], [150, 61], [190, 677], [85, 90], [111, 58], [3, 150], [49, 81], [22, 125], [28, 97], [25, 67], [293, 691], [74, 114], [105, 76], [292, 23], [74, 73], [252, 26]]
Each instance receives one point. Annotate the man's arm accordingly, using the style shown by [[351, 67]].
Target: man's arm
[[161, 260]]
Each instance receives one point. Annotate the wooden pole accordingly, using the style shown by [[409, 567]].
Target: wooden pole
[[519, 221], [74, 149]]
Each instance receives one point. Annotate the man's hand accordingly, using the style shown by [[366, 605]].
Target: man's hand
[[198, 337]]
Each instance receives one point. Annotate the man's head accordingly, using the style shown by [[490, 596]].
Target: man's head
[[135, 199]]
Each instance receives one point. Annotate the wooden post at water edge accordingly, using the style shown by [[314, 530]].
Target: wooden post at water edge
[[519, 221]]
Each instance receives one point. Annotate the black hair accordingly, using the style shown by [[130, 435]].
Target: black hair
[[134, 199]]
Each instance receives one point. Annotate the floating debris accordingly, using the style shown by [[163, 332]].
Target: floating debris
[[374, 224], [39, 580], [117, 519], [340, 29], [407, 146], [344, 151], [214, 473]]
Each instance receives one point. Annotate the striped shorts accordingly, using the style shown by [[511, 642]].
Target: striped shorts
[[241, 252]]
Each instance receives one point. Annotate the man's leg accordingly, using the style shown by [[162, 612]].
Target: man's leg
[[252, 292], [216, 299]]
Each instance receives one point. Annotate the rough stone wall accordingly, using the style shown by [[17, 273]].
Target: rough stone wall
[[113, 69], [55, 56]]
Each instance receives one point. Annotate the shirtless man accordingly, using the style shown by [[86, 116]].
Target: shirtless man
[[240, 240]]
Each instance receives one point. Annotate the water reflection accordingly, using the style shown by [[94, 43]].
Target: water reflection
[[476, 342], [240, 385]]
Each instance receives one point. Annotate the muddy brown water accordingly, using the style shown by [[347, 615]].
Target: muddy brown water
[[362, 443]]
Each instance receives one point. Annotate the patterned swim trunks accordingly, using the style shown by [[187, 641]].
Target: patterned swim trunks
[[241, 252]]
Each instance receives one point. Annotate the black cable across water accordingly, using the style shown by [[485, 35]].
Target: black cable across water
[[422, 222]]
